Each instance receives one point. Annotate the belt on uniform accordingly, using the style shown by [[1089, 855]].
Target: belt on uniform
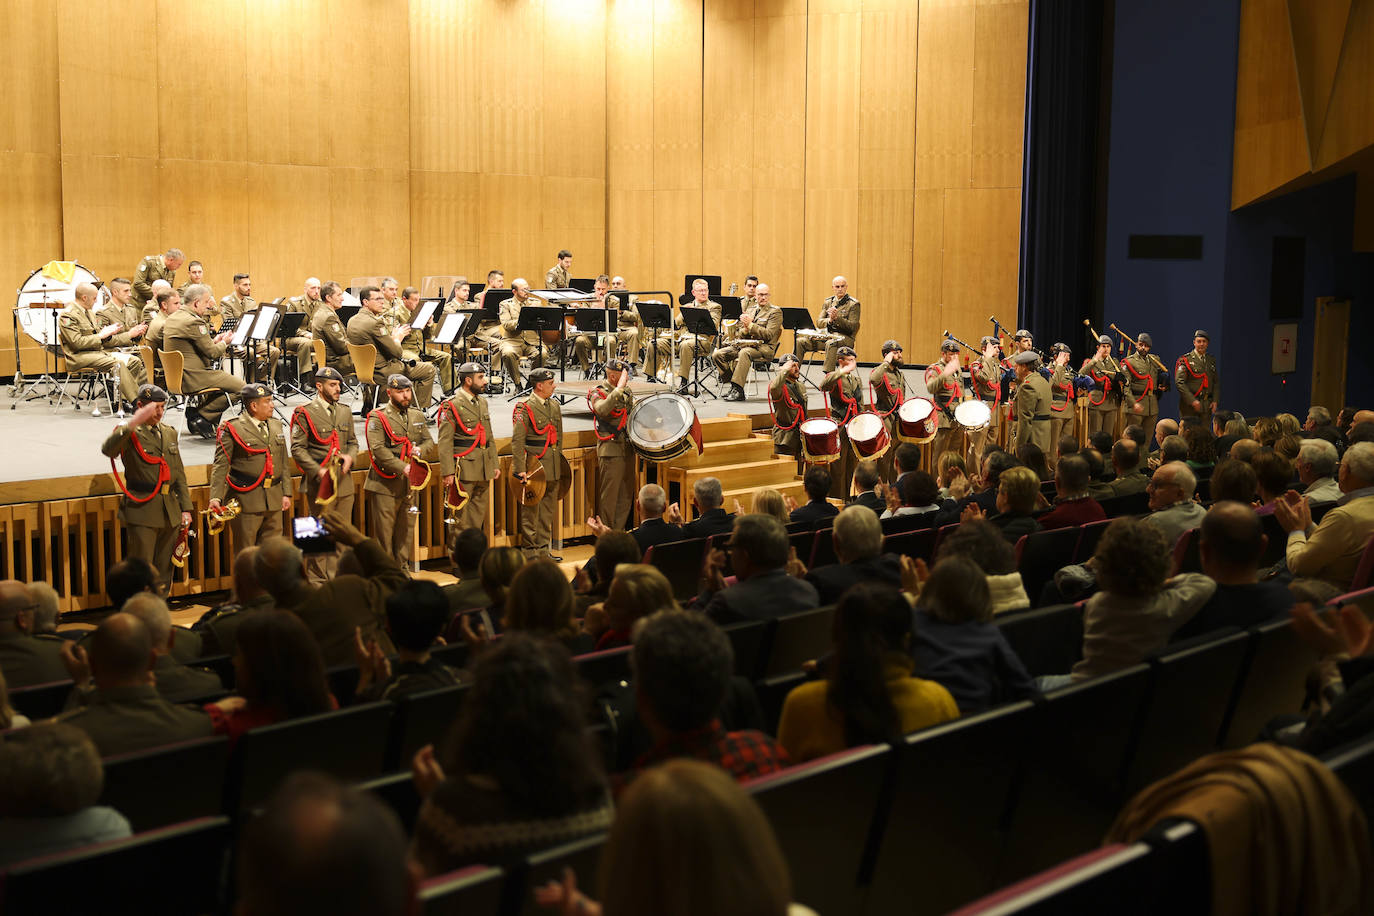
[[1040, 416], [460, 442]]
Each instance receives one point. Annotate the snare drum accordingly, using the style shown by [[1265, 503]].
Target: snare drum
[[917, 420], [973, 415], [868, 435], [820, 440], [663, 426]]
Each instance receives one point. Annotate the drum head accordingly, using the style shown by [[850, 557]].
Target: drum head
[[973, 414], [915, 410], [660, 420], [865, 426], [40, 290], [819, 426]]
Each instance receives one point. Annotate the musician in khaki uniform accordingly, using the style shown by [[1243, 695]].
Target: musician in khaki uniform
[[1032, 404], [630, 331], [322, 438], [367, 327], [251, 466], [238, 304], [168, 302], [1063, 399], [584, 343], [839, 316], [610, 402], [187, 333], [689, 346], [887, 391], [310, 300], [489, 329], [559, 276], [1195, 376], [1140, 400], [787, 399], [157, 503], [88, 345], [195, 273], [946, 389], [516, 344], [120, 308], [985, 376], [844, 394], [537, 435], [467, 446], [763, 323], [750, 297], [413, 346], [155, 267], [395, 433], [327, 327], [1104, 401]]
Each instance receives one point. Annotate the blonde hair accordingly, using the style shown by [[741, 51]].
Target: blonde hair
[[1019, 486], [770, 502], [498, 567], [1288, 423], [540, 600], [638, 590], [949, 459], [686, 826]]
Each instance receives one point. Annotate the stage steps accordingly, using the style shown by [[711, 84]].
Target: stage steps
[[737, 453]]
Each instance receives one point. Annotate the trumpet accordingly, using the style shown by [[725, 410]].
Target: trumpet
[[998, 329], [216, 519], [329, 479]]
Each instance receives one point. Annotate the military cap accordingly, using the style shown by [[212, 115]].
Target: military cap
[[1104, 340], [1023, 333], [846, 353], [890, 345], [396, 381], [987, 339], [615, 365], [789, 358], [1203, 334], [948, 346], [147, 393], [254, 391], [328, 374], [467, 369], [540, 375], [1060, 348], [1028, 358], [1143, 338]]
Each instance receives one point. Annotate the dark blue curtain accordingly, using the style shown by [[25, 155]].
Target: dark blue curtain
[[1068, 72]]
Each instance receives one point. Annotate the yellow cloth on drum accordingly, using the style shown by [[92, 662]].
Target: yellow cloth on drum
[[62, 271]]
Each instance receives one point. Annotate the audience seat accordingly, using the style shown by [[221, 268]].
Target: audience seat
[[900, 523], [1273, 682], [1112, 879], [1075, 766], [455, 654], [472, 891], [343, 682], [582, 856], [942, 532], [802, 542], [173, 870], [604, 667], [772, 693], [347, 743], [797, 638], [823, 813], [919, 544], [823, 550], [680, 562], [1130, 504], [1364, 598], [1365, 571], [41, 701], [1088, 536], [420, 719], [223, 665], [167, 785], [747, 639], [1187, 555], [1190, 689], [1354, 764], [397, 792], [945, 825], [1048, 640], [1040, 555], [1278, 540]]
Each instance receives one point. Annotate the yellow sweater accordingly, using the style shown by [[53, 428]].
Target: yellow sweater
[[809, 728]]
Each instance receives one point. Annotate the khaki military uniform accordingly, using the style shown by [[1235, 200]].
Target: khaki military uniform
[[1063, 407], [392, 436], [155, 491], [30, 660], [124, 315], [688, 347], [302, 346], [887, 391], [986, 378], [327, 327], [1196, 378], [844, 395], [538, 434], [151, 269], [467, 450], [251, 466], [413, 347], [629, 328], [586, 342], [787, 398], [1104, 401], [188, 334], [516, 344], [845, 324], [302, 304], [154, 336], [1140, 393], [318, 431], [556, 277], [367, 328], [79, 330], [765, 324], [614, 456], [947, 391], [235, 306], [1032, 406], [121, 720]]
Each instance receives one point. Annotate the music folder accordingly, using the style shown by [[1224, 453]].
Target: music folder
[[698, 321], [241, 330], [266, 322], [453, 326], [425, 313], [796, 319], [290, 324]]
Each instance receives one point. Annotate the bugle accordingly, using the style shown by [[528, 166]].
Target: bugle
[[1096, 337], [216, 519]]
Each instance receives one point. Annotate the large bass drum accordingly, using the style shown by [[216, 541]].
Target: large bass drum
[[917, 420], [973, 415], [663, 426], [42, 296]]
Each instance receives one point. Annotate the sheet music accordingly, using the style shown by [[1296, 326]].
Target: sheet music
[[241, 333], [450, 329], [426, 313], [266, 320]]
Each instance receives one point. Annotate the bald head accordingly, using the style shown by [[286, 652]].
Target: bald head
[[121, 651], [278, 568], [1165, 428], [1232, 541], [152, 610], [15, 603], [1244, 449], [1363, 416], [85, 294]]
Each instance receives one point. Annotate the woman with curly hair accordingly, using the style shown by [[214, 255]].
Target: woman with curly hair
[[1138, 607], [1202, 449], [1267, 430]]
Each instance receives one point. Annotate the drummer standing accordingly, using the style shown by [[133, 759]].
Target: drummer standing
[[467, 445], [1062, 399], [947, 389], [537, 435], [985, 374], [393, 434], [1032, 402], [887, 391], [787, 400], [844, 393], [610, 402]]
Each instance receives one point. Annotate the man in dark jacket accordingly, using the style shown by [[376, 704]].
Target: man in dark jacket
[[712, 518], [858, 546], [763, 590], [817, 513]]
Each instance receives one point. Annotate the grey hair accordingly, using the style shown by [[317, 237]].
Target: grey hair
[[858, 534], [196, 292], [652, 499], [708, 493], [1319, 415], [45, 615], [1320, 455], [155, 615], [1183, 477], [1359, 460]]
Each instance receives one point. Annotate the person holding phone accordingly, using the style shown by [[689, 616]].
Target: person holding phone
[[251, 466]]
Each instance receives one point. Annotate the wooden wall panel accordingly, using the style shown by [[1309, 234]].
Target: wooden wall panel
[[446, 57], [370, 213], [367, 82], [103, 199], [999, 91], [289, 226], [30, 236], [202, 82], [286, 89], [444, 224], [511, 94], [203, 208], [780, 148], [1318, 32], [574, 93], [677, 238], [944, 94], [728, 138], [1271, 144], [28, 78], [574, 217], [630, 141], [982, 248], [109, 96], [1349, 123], [927, 277], [630, 224], [512, 235]]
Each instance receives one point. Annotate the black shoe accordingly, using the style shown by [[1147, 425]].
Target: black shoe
[[736, 393], [555, 559]]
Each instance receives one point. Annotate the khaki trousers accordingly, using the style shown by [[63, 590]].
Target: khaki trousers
[[613, 499], [252, 528], [391, 523], [536, 524], [474, 514], [154, 545]]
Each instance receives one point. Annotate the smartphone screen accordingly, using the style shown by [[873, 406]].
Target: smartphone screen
[[309, 534]]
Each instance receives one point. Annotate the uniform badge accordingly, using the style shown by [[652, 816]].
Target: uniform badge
[[204, 329]]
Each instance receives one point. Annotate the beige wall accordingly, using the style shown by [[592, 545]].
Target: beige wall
[[876, 138]]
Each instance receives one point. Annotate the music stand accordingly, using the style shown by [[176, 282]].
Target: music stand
[[712, 283], [583, 284], [346, 313], [700, 323], [796, 319], [539, 318], [596, 321], [659, 317]]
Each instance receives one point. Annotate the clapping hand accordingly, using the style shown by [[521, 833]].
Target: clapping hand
[[1348, 634], [790, 502], [425, 771], [597, 526], [1293, 512], [674, 516], [75, 660], [972, 512], [373, 667], [914, 574], [795, 568], [711, 570]]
